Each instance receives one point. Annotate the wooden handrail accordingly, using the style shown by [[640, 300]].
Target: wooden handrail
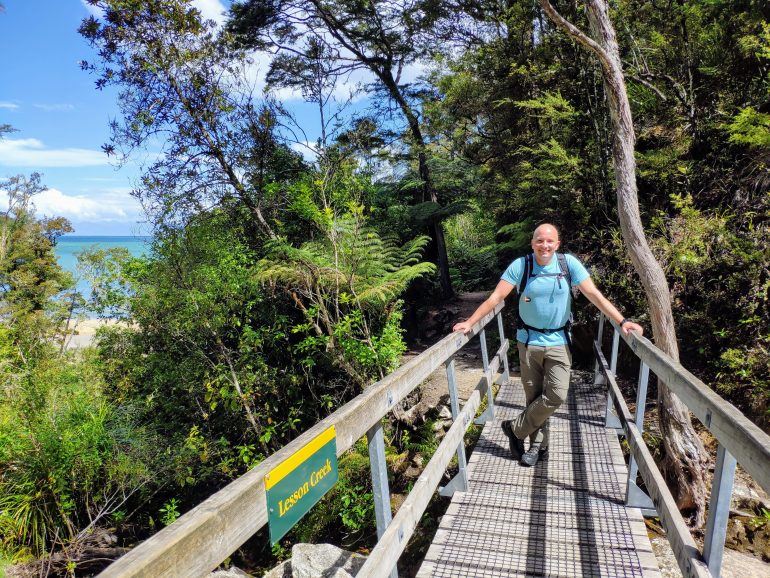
[[682, 544], [743, 439], [199, 540]]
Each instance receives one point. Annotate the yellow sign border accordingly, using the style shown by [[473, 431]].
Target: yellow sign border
[[288, 465]]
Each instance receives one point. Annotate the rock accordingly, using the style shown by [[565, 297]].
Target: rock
[[739, 565], [445, 413], [745, 497], [734, 564], [232, 573], [324, 561], [418, 460], [283, 570], [736, 533], [669, 567], [438, 426]]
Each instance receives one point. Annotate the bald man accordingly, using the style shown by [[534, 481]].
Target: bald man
[[543, 344]]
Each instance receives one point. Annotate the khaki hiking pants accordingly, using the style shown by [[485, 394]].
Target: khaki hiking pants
[[545, 377]]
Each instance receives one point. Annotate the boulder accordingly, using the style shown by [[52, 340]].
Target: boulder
[[445, 413], [324, 561], [283, 570]]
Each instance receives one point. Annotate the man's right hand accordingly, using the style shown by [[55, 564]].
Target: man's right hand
[[463, 326]]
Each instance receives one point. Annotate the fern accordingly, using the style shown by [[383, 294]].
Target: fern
[[347, 282]]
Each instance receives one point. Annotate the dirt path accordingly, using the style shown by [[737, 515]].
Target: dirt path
[[434, 392]]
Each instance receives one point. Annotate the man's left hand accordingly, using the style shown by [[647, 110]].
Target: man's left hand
[[631, 326]]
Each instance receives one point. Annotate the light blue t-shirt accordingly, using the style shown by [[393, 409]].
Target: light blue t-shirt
[[546, 301]]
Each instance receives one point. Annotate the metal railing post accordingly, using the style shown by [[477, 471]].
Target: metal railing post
[[489, 413], [719, 510], [501, 331], [641, 403], [598, 374], [460, 482], [380, 489], [635, 497], [610, 419]]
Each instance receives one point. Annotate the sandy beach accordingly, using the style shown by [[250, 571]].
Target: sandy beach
[[85, 331]]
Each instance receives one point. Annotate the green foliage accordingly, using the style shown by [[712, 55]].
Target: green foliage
[[470, 239], [751, 128], [686, 239], [205, 360], [551, 107], [169, 512], [30, 277], [68, 457], [346, 280]]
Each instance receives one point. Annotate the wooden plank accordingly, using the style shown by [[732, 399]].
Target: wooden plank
[[747, 442], [200, 539]]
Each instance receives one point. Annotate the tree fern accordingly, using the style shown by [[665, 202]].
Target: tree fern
[[347, 282]]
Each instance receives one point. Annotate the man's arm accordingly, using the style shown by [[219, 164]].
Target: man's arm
[[502, 291], [595, 296]]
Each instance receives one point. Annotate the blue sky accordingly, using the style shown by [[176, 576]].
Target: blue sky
[[62, 120]]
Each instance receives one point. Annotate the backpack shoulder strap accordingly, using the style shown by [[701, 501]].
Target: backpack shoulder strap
[[528, 266], [564, 266]]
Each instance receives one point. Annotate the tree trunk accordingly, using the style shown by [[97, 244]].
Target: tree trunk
[[428, 192], [684, 464]]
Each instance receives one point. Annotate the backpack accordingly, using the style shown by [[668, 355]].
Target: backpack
[[564, 273]]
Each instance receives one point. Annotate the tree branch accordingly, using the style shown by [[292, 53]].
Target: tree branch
[[576, 33]]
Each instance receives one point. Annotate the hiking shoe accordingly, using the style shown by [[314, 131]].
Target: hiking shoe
[[533, 455], [517, 445]]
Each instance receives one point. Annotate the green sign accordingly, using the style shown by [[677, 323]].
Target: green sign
[[298, 482]]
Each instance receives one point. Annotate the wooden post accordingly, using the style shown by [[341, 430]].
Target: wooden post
[[489, 413], [635, 497]]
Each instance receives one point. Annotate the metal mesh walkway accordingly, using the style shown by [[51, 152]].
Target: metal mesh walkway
[[563, 517]]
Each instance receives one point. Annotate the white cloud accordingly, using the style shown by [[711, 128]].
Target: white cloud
[[113, 205], [30, 152], [94, 11], [9, 105], [55, 107], [307, 149], [212, 10]]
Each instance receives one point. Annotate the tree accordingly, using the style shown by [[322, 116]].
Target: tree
[[347, 282], [383, 37], [30, 277], [685, 456], [186, 90]]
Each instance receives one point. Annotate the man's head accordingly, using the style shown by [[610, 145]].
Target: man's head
[[545, 242]]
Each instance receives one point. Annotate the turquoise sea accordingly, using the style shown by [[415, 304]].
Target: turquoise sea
[[68, 247]]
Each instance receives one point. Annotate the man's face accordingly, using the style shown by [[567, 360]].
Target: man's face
[[545, 242]]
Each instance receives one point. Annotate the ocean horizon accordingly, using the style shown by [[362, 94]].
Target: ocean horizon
[[69, 246]]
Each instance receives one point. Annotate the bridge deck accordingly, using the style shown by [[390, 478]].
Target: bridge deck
[[563, 517]]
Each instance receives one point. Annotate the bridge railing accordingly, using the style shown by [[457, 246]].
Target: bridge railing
[[202, 538], [740, 441]]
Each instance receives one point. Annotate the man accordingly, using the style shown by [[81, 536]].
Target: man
[[543, 342]]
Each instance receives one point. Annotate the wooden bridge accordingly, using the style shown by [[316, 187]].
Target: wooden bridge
[[578, 513], [566, 516]]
